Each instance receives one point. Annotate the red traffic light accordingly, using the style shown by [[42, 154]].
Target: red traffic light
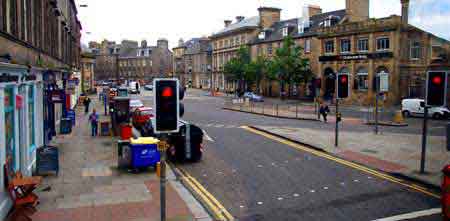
[[344, 79], [167, 92], [437, 80]]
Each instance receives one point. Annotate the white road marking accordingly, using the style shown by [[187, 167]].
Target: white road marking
[[312, 191], [342, 184], [260, 203], [260, 166], [280, 198], [325, 188], [241, 206], [296, 195], [369, 177], [207, 137], [356, 181], [412, 215]]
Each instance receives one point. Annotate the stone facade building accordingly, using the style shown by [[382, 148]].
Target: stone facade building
[[39, 75], [195, 62], [132, 61], [343, 41], [87, 71]]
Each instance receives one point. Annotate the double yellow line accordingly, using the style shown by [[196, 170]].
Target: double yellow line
[[343, 162], [213, 205]]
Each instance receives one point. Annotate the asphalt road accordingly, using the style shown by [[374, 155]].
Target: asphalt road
[[257, 178]]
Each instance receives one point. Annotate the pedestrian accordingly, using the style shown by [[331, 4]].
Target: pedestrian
[[324, 110], [86, 102], [93, 119]]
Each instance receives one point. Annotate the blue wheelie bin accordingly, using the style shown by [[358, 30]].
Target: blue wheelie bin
[[144, 152]]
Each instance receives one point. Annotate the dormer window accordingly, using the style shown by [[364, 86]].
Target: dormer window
[[262, 35], [285, 31], [301, 28], [327, 23]]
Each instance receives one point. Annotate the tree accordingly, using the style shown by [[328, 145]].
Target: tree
[[255, 71], [235, 68], [288, 65]]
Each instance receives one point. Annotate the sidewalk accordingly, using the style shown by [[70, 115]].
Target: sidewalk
[[389, 152], [89, 186]]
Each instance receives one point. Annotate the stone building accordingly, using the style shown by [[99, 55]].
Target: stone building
[[132, 61], [343, 41], [39, 69], [178, 61], [196, 62], [227, 41], [87, 71]]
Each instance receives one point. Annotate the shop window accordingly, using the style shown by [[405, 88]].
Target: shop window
[[269, 49], [329, 47], [345, 46], [9, 126], [383, 44], [363, 44], [415, 51]]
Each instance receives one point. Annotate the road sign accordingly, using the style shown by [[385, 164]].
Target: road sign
[[383, 85]]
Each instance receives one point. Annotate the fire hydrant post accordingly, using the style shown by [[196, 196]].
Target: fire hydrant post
[[446, 193]]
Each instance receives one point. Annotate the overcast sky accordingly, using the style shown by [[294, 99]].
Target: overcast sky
[[174, 19]]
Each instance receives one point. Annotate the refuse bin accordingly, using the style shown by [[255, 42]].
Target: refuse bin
[[104, 128], [65, 126], [144, 152], [124, 154], [72, 116], [126, 131]]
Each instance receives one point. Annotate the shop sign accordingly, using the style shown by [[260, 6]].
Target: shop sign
[[57, 96], [349, 57], [19, 101], [8, 78]]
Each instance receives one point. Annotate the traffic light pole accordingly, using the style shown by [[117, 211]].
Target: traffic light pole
[[376, 112], [336, 136], [424, 140], [162, 147]]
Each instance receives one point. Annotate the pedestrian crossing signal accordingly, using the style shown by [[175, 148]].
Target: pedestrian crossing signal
[[342, 86], [166, 98]]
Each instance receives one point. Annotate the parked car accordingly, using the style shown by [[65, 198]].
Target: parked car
[[253, 97], [415, 107], [148, 87], [135, 104], [134, 87], [141, 116]]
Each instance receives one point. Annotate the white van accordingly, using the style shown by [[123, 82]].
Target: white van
[[415, 107], [134, 87]]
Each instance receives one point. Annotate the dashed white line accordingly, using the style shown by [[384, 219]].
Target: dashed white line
[[260, 203], [296, 195]]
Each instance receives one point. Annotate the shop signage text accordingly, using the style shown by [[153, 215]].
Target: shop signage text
[[349, 57]]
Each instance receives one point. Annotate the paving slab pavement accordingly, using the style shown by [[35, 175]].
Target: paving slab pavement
[[90, 187], [389, 152]]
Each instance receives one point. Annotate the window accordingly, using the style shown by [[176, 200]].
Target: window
[[362, 79], [383, 44], [416, 49], [327, 23], [301, 28], [345, 46], [308, 45], [285, 31], [329, 47], [232, 42], [269, 49], [238, 40], [363, 44]]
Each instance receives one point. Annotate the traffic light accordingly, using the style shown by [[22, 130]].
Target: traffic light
[[342, 86], [166, 98], [436, 88]]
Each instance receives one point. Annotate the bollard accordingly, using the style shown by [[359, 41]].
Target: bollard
[[448, 137], [277, 110], [445, 197]]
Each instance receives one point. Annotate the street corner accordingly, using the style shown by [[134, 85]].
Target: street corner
[[373, 162]]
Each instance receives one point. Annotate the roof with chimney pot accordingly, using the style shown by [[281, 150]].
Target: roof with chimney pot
[[275, 32], [247, 23]]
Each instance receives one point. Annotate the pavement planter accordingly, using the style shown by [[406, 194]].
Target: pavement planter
[[90, 187]]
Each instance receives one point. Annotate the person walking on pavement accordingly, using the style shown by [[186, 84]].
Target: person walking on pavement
[[93, 119], [324, 110], [86, 102]]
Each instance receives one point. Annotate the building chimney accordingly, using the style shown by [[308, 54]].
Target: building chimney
[[357, 10], [227, 23], [268, 16], [239, 18], [314, 10], [405, 11]]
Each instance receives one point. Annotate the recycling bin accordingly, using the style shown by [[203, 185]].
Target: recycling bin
[[104, 128], [144, 152], [65, 126], [126, 131]]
